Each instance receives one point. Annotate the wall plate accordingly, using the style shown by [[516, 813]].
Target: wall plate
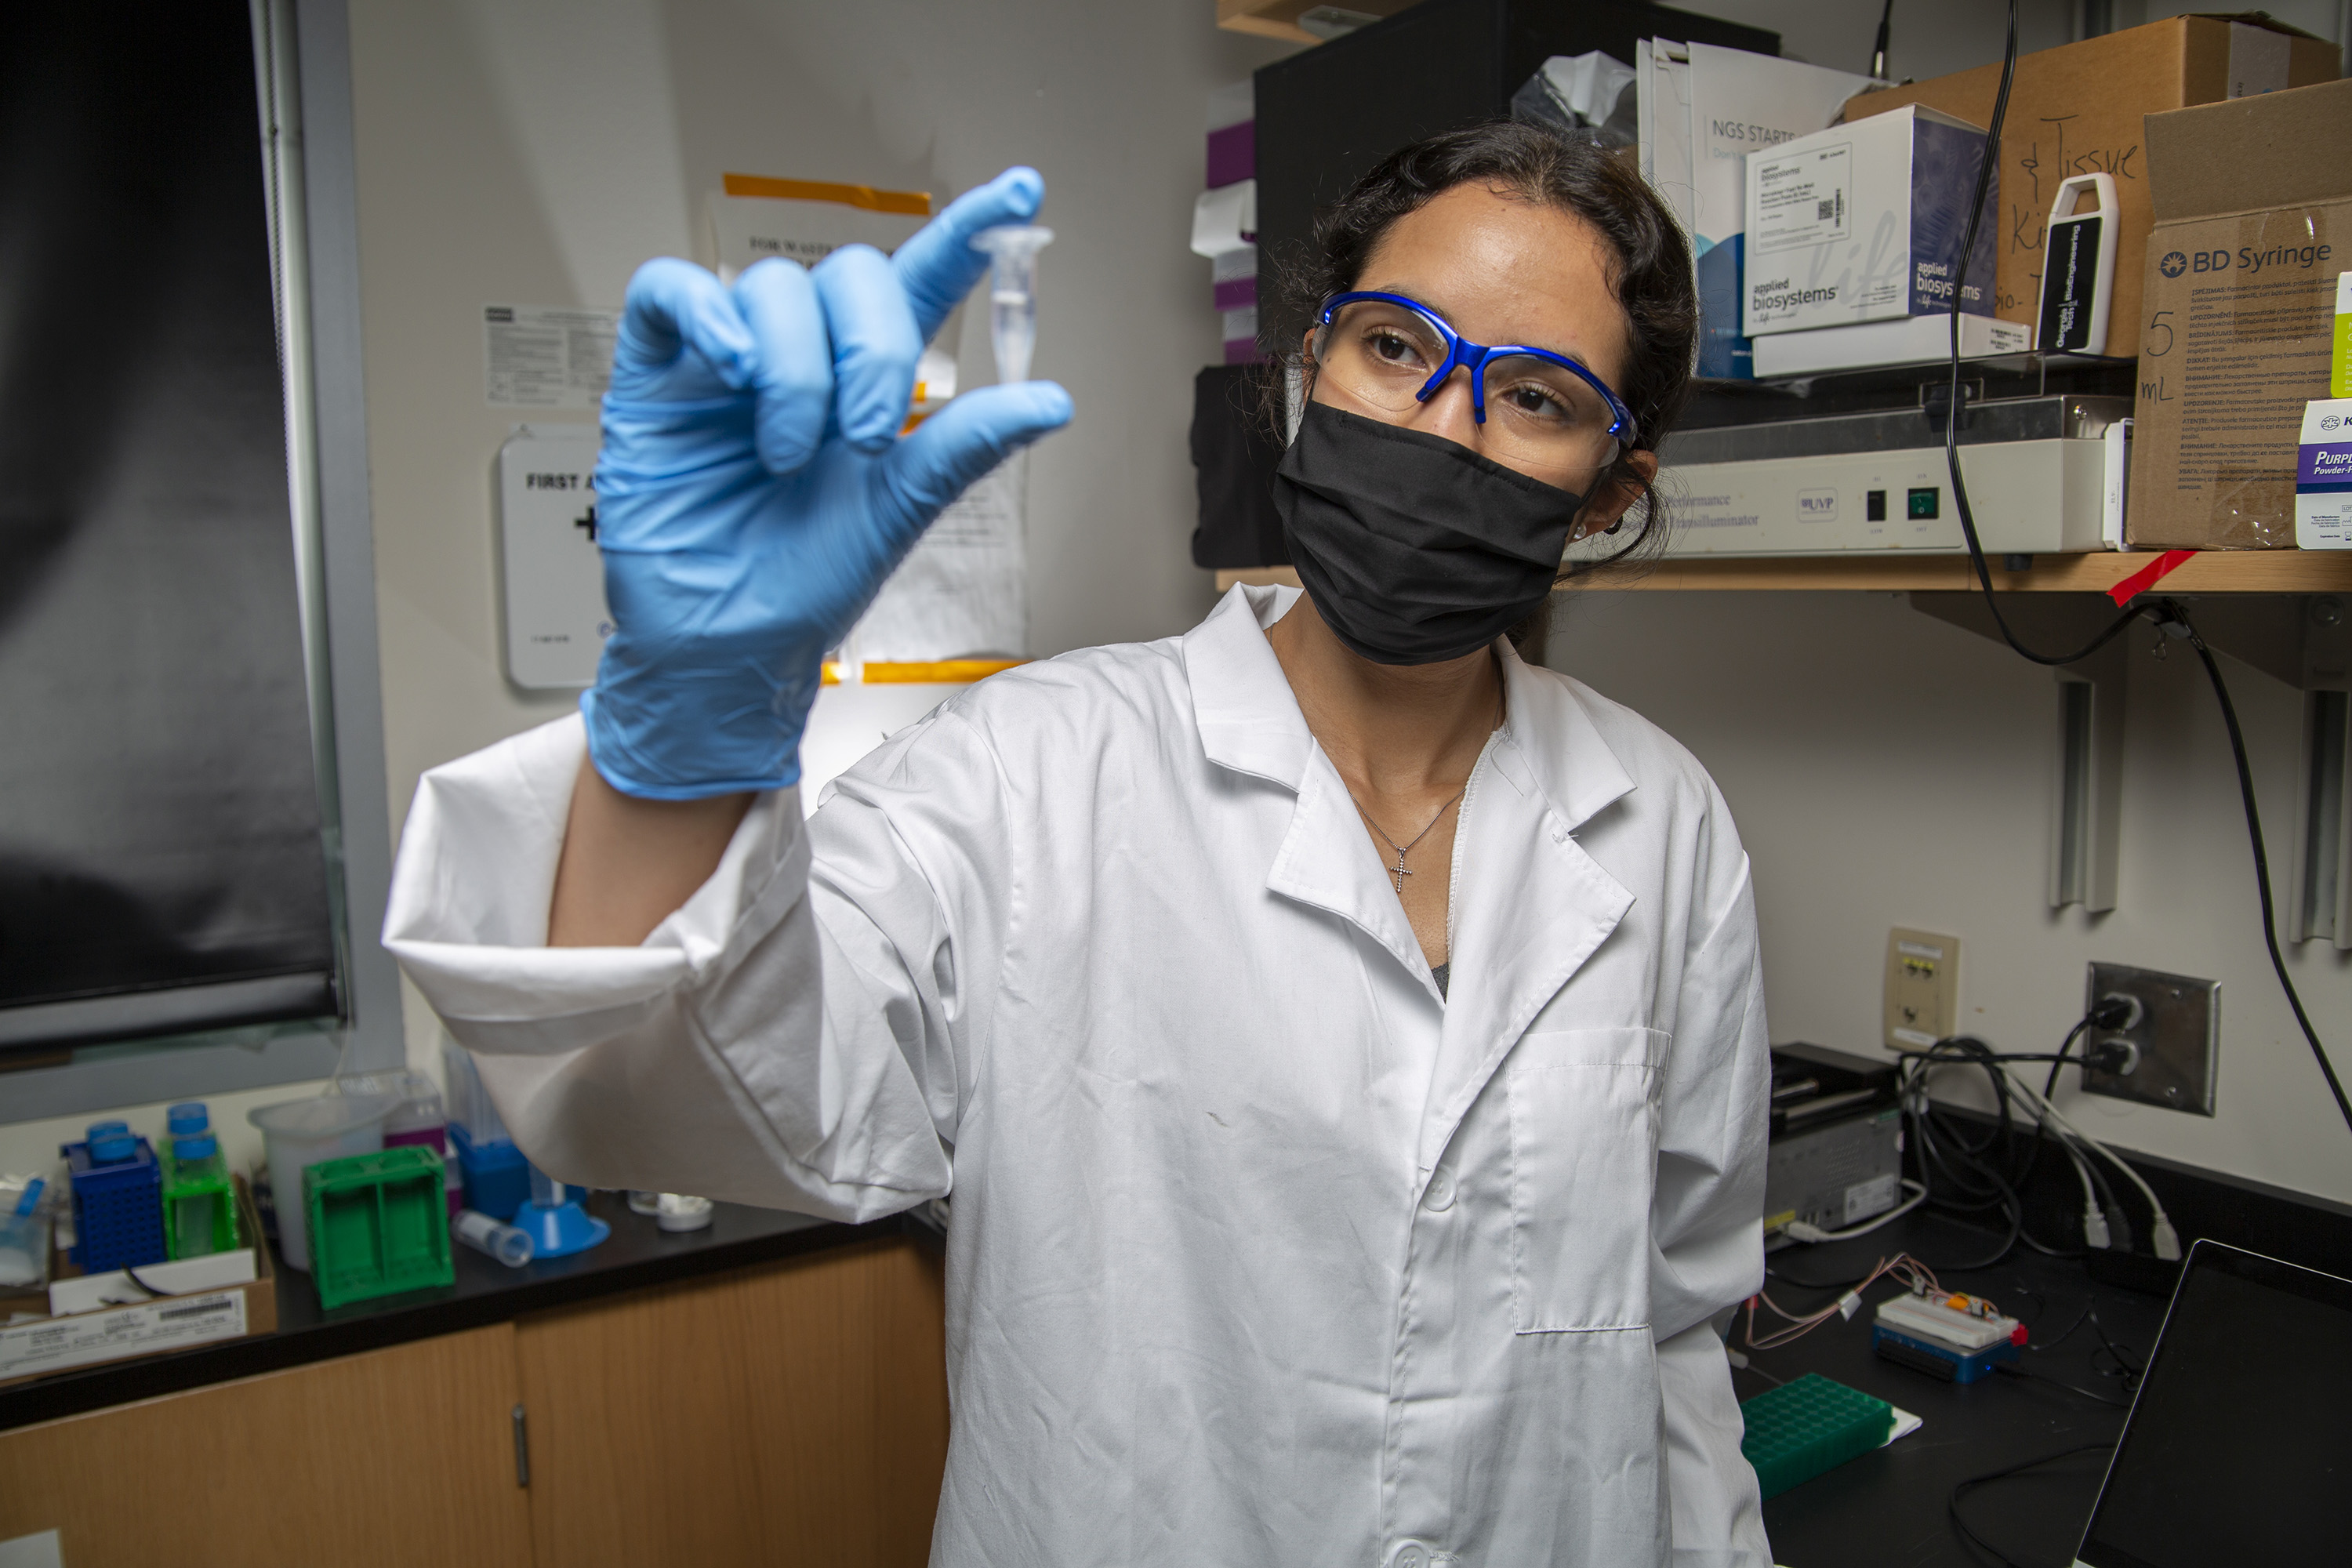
[[1922, 990], [2178, 1038]]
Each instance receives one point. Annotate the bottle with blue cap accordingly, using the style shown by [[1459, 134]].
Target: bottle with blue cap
[[199, 1200], [115, 1182], [110, 1142]]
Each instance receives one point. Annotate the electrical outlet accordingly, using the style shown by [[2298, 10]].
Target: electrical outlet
[[2171, 1044], [1923, 988]]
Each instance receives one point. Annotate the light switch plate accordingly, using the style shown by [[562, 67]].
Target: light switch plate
[[2176, 1039], [1923, 988]]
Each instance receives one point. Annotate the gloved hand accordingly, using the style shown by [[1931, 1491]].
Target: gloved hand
[[754, 490]]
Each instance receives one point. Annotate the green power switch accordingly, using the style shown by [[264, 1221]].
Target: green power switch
[[1927, 502]]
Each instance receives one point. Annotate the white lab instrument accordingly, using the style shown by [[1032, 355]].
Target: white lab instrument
[[1876, 483], [1013, 293]]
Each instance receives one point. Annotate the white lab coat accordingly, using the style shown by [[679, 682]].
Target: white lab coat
[[1263, 1253]]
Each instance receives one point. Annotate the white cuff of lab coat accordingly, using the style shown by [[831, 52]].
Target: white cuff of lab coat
[[467, 916]]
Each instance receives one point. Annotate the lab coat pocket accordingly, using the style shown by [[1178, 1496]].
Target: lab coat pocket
[[1584, 1150]]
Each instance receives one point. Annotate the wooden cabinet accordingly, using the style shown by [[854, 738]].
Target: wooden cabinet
[[397, 1456], [794, 1412], [788, 1412]]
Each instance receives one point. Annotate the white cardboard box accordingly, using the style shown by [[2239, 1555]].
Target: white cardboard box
[[1903, 340], [1703, 109], [1863, 222], [2322, 476]]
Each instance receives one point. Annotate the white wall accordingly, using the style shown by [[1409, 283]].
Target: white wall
[[535, 151], [1886, 769]]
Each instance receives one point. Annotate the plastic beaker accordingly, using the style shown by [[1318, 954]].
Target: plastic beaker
[[298, 1134]]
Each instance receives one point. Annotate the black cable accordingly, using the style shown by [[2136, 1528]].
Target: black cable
[[2129, 1364], [2174, 610], [131, 1274], [1952, 1504], [1981, 1184], [2080, 1319], [1985, 166], [2169, 610], [1878, 50], [2051, 1087], [2013, 1369]]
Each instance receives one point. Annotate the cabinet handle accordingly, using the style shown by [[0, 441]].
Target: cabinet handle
[[522, 1448]]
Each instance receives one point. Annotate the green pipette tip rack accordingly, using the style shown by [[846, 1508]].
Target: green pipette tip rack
[[1802, 1429]]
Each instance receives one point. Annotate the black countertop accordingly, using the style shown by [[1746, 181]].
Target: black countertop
[[637, 1254], [1890, 1507]]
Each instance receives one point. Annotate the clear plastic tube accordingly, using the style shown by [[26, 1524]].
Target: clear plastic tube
[[1013, 294], [504, 1242]]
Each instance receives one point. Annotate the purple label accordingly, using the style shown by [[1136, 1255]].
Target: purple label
[[2325, 463], [1237, 293], [1232, 153]]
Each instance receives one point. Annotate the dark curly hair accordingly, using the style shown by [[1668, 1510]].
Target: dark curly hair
[[1650, 271]]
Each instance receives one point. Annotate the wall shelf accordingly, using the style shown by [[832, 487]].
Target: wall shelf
[[2212, 571]]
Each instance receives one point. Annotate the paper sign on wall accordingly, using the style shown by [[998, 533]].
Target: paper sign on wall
[[963, 593], [554, 577], [547, 356], [755, 217]]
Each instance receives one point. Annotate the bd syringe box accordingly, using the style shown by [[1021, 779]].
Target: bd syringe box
[[1864, 223]]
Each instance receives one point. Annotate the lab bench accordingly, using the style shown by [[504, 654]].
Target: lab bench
[[773, 1387], [1890, 1505]]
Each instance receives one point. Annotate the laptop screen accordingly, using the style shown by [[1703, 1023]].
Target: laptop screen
[[2238, 1448]]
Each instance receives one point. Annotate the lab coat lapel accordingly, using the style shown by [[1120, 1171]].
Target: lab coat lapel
[[1250, 723], [1531, 906], [1327, 859]]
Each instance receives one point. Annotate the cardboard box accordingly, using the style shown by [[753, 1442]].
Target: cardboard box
[[46, 1345], [2078, 111], [1864, 223], [1703, 109], [2253, 221]]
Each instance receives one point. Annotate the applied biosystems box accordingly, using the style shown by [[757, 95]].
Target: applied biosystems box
[[1864, 223]]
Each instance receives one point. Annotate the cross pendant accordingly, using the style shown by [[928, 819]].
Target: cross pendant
[[1399, 873]]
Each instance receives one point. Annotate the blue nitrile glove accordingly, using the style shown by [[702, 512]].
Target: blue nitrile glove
[[754, 490]]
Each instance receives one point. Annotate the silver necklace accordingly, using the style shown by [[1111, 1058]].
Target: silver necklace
[[1399, 872]]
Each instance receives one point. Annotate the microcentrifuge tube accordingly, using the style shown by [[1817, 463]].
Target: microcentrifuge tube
[[1013, 293], [508, 1244]]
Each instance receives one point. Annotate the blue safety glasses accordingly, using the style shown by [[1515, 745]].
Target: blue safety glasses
[[1392, 351]]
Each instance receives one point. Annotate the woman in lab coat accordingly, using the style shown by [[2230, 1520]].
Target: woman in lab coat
[[1343, 1041]]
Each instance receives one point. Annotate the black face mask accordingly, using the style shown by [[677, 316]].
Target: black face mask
[[1415, 549]]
